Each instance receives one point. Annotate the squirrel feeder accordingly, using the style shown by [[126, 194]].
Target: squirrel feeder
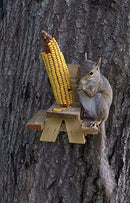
[[64, 115]]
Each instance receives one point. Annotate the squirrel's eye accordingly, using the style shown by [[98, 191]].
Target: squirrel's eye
[[91, 73]]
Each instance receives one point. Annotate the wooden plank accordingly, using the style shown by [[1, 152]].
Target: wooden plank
[[74, 70], [37, 121], [74, 131], [89, 130], [69, 113], [89, 127], [51, 130]]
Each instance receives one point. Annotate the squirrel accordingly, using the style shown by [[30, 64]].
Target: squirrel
[[95, 96]]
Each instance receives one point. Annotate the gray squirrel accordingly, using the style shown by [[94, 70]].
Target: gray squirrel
[[95, 96]]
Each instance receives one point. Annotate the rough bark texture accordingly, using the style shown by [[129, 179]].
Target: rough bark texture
[[32, 171]]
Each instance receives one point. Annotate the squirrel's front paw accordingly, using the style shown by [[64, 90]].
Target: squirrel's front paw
[[84, 88], [79, 88]]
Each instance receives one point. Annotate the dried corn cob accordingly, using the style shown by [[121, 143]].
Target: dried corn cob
[[58, 73]]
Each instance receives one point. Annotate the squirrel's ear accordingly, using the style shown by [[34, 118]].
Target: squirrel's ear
[[85, 56], [98, 63]]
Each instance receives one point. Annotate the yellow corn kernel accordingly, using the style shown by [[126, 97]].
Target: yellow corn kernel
[[57, 110], [63, 109]]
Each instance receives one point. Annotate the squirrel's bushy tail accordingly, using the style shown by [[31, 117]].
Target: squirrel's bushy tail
[[106, 174]]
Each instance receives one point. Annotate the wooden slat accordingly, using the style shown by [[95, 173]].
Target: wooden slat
[[89, 128], [37, 122], [74, 131], [51, 130], [69, 113], [74, 70]]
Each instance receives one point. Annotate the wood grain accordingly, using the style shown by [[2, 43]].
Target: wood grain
[[37, 122], [51, 130], [74, 131]]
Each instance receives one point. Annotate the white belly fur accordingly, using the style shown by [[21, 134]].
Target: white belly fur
[[89, 105]]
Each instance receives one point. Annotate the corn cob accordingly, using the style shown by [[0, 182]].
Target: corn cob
[[58, 74]]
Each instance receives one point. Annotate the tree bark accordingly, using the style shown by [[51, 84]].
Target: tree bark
[[33, 171]]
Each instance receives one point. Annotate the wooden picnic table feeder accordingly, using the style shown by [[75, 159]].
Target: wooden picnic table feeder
[[64, 115]]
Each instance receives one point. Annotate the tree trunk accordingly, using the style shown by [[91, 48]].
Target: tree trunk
[[32, 171]]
